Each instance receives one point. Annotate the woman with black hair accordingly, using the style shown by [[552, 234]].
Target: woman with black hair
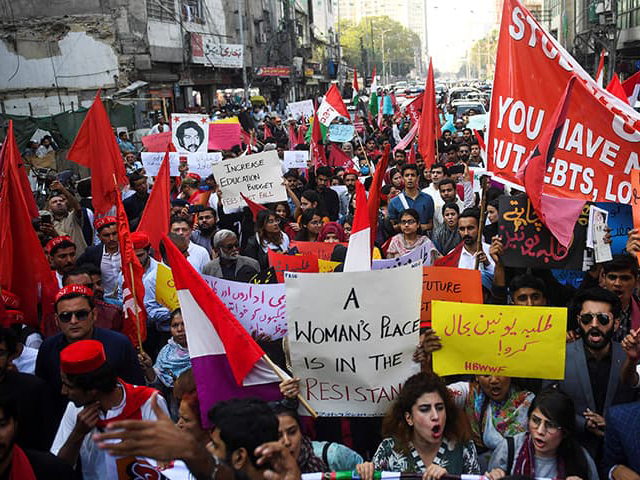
[[548, 448], [310, 226], [268, 236]]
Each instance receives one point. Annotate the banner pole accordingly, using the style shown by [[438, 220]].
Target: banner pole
[[483, 202], [278, 372]]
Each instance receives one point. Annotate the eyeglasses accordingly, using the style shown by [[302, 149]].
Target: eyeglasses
[[407, 222], [587, 318], [81, 315], [550, 427], [233, 246]]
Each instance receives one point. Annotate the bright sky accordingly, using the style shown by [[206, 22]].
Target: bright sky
[[453, 26]]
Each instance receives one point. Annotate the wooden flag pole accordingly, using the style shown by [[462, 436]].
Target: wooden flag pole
[[364, 150], [278, 372], [483, 202]]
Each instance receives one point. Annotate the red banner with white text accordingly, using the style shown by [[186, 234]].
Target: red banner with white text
[[600, 142]]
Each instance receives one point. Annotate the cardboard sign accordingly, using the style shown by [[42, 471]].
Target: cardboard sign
[[296, 159], [478, 122], [340, 133], [189, 132], [512, 341], [224, 135], [354, 353], [422, 254], [292, 263], [448, 284], [303, 109], [258, 177], [528, 243], [200, 163], [321, 250]]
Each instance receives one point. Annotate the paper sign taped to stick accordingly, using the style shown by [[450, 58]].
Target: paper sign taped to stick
[[296, 158], [292, 263], [448, 284], [190, 132], [340, 133], [258, 177], [355, 352], [507, 340], [321, 250]]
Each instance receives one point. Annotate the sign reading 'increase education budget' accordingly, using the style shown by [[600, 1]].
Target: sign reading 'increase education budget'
[[507, 340], [354, 353]]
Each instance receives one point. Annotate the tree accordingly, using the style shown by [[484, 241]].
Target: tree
[[401, 45], [482, 56]]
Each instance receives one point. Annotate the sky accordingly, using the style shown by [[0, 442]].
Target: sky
[[453, 26]]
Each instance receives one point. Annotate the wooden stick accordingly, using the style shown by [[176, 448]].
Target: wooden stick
[[135, 311], [364, 150], [278, 372], [483, 202]]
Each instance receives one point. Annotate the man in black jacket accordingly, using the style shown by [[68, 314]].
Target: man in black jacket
[[329, 197]]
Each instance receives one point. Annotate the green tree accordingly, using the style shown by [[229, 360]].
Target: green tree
[[482, 56], [401, 45]]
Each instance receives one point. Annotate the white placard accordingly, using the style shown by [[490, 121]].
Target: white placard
[[296, 159], [151, 161], [301, 109], [200, 163], [258, 177], [596, 232], [190, 132], [353, 354]]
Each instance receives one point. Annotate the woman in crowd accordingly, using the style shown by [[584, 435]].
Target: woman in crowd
[[310, 226], [548, 448], [426, 433], [331, 232], [409, 238], [446, 236], [287, 225], [268, 236], [347, 224], [396, 179], [491, 228]]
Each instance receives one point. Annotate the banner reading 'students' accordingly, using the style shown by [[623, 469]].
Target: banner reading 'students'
[[599, 144]]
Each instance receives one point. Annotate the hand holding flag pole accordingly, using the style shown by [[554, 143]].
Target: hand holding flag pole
[[301, 399]]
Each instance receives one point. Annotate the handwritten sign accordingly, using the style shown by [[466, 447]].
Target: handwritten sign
[[513, 341], [528, 243], [620, 222], [422, 254], [258, 177], [321, 250], [635, 200], [354, 353], [296, 158], [151, 161], [190, 132], [340, 133], [259, 308], [292, 263], [448, 284], [568, 277], [200, 163], [303, 109]]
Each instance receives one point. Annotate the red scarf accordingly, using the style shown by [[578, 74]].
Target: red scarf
[[20, 467], [136, 396], [451, 259], [525, 462]]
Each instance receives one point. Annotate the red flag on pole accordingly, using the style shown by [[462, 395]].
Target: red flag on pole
[[427, 136], [267, 131], [317, 149], [253, 206], [135, 316], [411, 158], [356, 87], [155, 218], [615, 87], [600, 72], [373, 202], [337, 157], [629, 86], [96, 147], [293, 138]]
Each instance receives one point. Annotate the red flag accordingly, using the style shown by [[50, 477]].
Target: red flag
[[412, 154], [155, 218], [373, 202], [394, 103], [535, 168], [332, 106], [131, 268], [96, 147], [301, 133], [24, 269], [356, 87], [293, 138], [414, 109], [253, 206], [10, 151], [615, 87], [629, 86], [600, 71], [267, 131], [451, 259], [427, 135], [337, 157], [317, 149]]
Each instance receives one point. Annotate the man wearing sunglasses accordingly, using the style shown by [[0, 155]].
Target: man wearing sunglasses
[[229, 264], [593, 366], [75, 316]]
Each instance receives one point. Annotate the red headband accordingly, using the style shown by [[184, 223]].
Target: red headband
[[99, 223], [54, 242], [69, 289]]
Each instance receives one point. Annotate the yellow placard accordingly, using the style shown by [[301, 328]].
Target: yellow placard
[[166, 293], [325, 266], [506, 340], [227, 120]]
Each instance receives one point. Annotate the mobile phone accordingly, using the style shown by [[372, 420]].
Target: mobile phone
[[45, 218], [195, 208]]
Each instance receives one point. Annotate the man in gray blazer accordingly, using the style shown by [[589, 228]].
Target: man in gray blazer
[[229, 264], [593, 366]]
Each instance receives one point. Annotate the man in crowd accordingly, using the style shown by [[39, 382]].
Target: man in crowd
[[67, 215], [463, 151], [228, 263], [411, 197], [328, 196], [207, 227], [470, 254], [438, 172], [134, 204], [96, 398], [75, 316], [190, 188], [61, 252], [475, 157], [350, 179], [198, 256], [106, 255], [620, 276]]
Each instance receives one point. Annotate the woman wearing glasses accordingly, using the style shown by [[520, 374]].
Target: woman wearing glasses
[[409, 237], [268, 236], [548, 448]]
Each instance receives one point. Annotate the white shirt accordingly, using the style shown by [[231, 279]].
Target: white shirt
[[97, 464], [26, 362], [468, 261], [59, 278], [198, 256], [110, 267]]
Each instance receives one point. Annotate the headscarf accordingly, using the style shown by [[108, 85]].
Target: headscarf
[[172, 360], [307, 460], [332, 227]]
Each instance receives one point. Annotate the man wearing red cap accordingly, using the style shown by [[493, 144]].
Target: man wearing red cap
[[106, 255], [75, 316], [61, 252], [97, 397], [191, 189]]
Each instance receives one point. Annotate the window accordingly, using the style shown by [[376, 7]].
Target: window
[[162, 10], [628, 13], [192, 11]]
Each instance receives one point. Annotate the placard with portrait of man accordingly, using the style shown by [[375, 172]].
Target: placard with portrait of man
[[190, 133]]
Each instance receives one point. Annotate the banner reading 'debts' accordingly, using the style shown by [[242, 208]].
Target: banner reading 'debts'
[[258, 177], [353, 354], [600, 141]]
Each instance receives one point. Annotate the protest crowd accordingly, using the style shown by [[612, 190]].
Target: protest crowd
[[322, 294]]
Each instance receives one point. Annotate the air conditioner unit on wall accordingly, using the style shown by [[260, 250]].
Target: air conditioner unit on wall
[[262, 37]]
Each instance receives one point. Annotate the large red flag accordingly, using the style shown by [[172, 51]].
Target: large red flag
[[427, 136], [631, 86], [414, 108], [96, 147], [373, 202], [317, 149], [11, 151], [337, 157], [133, 307], [24, 269], [615, 87], [155, 218]]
